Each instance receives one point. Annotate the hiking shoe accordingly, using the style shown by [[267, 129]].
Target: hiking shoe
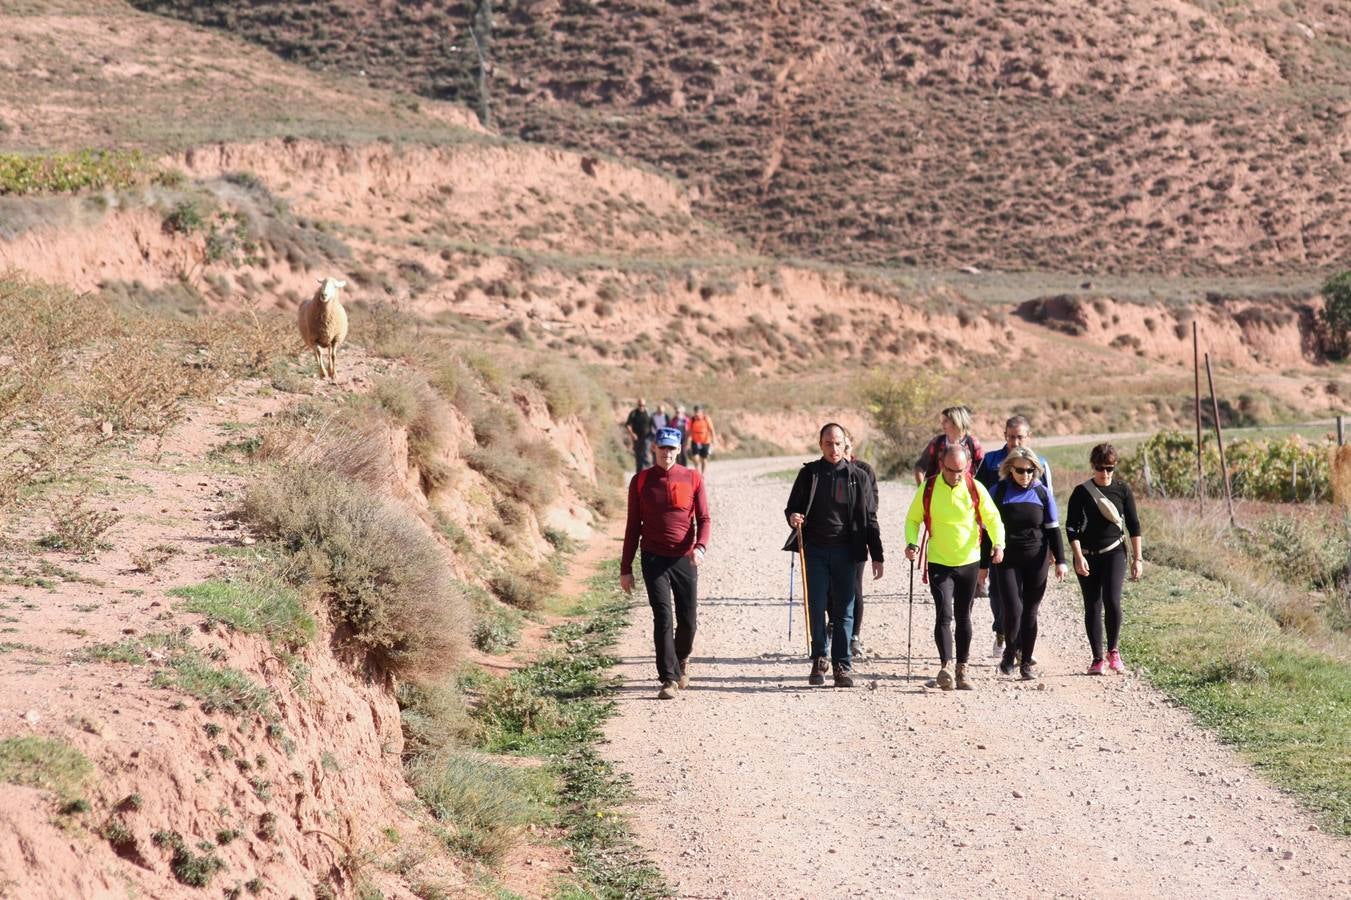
[[668, 691], [1006, 666], [842, 676], [1026, 673], [1114, 661], [998, 649], [963, 683], [818, 675], [1099, 667], [684, 681], [944, 679]]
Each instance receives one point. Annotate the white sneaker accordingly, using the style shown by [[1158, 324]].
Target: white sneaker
[[998, 648]]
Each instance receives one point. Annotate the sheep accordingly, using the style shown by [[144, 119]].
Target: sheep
[[323, 324]]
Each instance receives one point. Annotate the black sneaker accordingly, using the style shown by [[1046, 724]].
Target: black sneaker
[[1027, 673], [818, 675], [842, 677], [1006, 666]]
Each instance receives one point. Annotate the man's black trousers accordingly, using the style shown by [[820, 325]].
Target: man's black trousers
[[671, 581]]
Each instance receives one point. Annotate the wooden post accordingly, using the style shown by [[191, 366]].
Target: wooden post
[[1341, 430], [1219, 439], [1196, 373]]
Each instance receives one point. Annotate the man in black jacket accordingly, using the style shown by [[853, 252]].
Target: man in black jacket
[[833, 503]]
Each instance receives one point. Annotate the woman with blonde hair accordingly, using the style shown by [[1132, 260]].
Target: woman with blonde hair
[[1031, 538], [956, 422]]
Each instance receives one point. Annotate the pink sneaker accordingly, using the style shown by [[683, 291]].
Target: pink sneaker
[[1099, 667], [1114, 661]]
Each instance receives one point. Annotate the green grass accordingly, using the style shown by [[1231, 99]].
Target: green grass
[[253, 606], [45, 763], [554, 709], [1284, 706], [483, 804], [220, 689]]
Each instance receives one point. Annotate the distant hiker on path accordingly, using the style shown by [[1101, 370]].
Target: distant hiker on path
[[1101, 523], [659, 421], [668, 518], [701, 438], [681, 422], [953, 508], [637, 425], [956, 421], [832, 506], [1031, 538], [1017, 431]]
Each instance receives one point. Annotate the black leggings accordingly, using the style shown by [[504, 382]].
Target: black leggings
[[1022, 584], [1102, 598], [953, 589], [672, 581]]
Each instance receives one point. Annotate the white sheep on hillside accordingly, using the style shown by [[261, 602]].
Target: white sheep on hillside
[[323, 324]]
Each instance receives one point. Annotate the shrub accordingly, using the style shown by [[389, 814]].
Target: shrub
[[70, 172], [77, 528], [1286, 470], [483, 804], [525, 588], [386, 578], [901, 413], [1336, 316]]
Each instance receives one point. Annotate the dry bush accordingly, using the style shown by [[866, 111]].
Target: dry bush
[[524, 588], [386, 579], [343, 441], [430, 425], [76, 527], [141, 385]]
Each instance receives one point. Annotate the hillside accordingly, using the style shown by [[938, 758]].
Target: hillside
[[1144, 136]]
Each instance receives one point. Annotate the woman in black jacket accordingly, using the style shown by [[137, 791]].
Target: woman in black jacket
[[1101, 524], [1031, 539]]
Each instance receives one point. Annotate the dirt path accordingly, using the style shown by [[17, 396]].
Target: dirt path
[[753, 784]]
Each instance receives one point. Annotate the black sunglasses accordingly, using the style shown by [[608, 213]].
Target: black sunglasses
[[1021, 470], [1104, 468]]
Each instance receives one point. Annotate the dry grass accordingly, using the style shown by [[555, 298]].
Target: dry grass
[[386, 579]]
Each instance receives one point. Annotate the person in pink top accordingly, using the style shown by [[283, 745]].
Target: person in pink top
[[668, 522]]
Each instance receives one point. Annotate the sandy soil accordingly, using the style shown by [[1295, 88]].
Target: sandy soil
[[753, 784]]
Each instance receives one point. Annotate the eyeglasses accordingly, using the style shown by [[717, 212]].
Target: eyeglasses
[[1023, 471], [1104, 468]]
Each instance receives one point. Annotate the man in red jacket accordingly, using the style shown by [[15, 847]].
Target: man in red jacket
[[668, 516]]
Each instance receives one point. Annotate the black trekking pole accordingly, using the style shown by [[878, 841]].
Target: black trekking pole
[[910, 620]]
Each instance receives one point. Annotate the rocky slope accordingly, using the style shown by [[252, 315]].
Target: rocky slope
[[1160, 136]]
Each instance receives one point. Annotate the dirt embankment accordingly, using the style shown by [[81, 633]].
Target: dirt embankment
[[217, 757]]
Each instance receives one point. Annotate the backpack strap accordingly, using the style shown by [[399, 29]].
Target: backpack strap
[[641, 478], [928, 501], [975, 497]]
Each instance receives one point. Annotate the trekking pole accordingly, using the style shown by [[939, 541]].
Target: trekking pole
[[910, 621], [792, 576], [806, 598]]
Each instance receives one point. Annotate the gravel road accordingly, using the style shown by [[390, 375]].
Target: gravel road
[[753, 784]]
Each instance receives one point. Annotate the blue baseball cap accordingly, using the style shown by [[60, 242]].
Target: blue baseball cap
[[668, 437]]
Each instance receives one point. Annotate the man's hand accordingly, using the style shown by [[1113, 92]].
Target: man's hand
[[795, 520], [626, 583], [997, 556], [877, 569], [1080, 565], [1061, 570], [912, 552], [696, 556]]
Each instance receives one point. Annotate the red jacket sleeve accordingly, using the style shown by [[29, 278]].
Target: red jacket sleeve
[[703, 522], [631, 529]]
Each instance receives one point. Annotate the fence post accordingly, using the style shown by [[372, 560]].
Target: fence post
[[1341, 429], [1219, 439], [1196, 375]]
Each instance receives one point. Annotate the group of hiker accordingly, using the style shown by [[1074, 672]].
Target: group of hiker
[[696, 434], [979, 523]]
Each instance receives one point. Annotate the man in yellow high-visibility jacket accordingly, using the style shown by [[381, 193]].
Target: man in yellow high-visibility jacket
[[954, 508]]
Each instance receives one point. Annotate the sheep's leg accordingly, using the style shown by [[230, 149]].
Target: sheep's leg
[[319, 359], [333, 361]]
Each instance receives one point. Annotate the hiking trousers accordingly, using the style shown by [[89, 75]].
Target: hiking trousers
[[1102, 599], [858, 598], [830, 585], [673, 593], [1022, 585], [953, 589], [641, 458]]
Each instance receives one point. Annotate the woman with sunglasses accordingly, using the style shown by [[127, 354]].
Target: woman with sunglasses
[[1031, 539], [1101, 524]]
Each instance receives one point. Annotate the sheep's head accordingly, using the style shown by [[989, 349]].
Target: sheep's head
[[329, 289]]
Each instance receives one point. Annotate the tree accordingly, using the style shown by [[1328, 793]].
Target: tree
[[901, 412], [1337, 315]]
